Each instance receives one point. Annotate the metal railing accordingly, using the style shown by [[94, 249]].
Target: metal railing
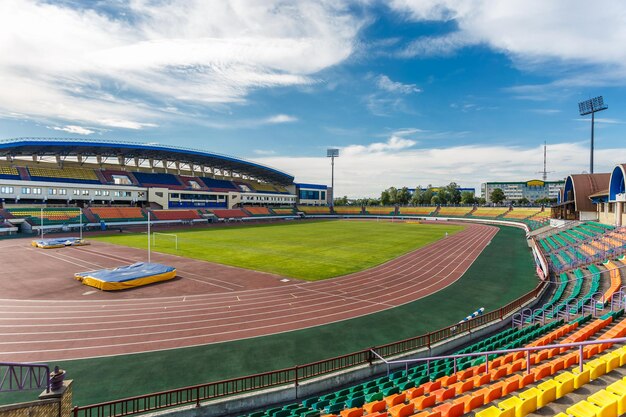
[[194, 395], [23, 376], [487, 354]]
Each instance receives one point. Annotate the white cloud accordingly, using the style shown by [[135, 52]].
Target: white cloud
[[84, 66], [563, 33], [394, 144], [78, 130], [264, 152], [385, 83], [281, 118], [360, 174]]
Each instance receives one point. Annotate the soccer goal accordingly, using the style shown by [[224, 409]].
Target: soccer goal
[[164, 239]]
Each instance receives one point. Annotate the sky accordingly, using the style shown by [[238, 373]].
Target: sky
[[412, 92]]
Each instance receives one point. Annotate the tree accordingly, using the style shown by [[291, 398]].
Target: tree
[[393, 195], [444, 196], [481, 200], [427, 195], [416, 198], [467, 197], [497, 196], [385, 198], [341, 201], [435, 200], [403, 196], [453, 193], [523, 201]]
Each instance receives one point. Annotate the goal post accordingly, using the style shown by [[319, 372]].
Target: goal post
[[160, 237]]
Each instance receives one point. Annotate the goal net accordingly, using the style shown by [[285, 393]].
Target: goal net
[[165, 240]]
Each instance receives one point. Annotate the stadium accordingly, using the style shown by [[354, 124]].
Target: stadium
[[278, 208], [279, 308]]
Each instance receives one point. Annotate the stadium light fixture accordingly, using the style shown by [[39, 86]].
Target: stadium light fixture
[[591, 106], [332, 153]]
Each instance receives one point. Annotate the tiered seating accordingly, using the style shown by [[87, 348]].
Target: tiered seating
[[347, 210], [229, 213], [158, 179], [257, 211], [593, 288], [418, 211], [541, 216], [9, 172], [284, 211], [51, 216], [522, 213], [68, 174], [185, 180], [119, 214], [616, 280], [219, 185], [281, 189], [563, 277], [444, 392], [454, 211], [314, 209], [176, 214], [258, 186], [490, 211], [380, 211], [109, 173], [551, 389], [578, 285]]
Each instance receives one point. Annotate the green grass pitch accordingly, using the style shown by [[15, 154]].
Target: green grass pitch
[[305, 250]]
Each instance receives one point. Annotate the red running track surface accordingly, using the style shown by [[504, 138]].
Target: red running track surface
[[46, 315]]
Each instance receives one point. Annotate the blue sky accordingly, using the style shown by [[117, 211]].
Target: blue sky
[[412, 92]]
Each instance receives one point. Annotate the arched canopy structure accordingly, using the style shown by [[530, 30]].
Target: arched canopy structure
[[576, 192], [129, 152], [616, 184]]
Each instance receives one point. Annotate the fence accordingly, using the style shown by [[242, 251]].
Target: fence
[[23, 376], [203, 392]]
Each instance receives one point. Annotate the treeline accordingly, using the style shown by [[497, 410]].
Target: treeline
[[403, 197]]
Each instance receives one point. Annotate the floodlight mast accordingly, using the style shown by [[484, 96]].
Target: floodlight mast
[[332, 153], [591, 106]]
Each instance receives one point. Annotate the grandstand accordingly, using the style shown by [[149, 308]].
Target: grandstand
[[176, 214], [583, 289], [380, 211], [347, 210], [119, 214], [416, 211], [229, 214], [490, 212], [454, 211], [257, 211], [314, 209]]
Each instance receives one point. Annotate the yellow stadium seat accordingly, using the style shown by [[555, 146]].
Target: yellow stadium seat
[[495, 412], [583, 409], [564, 384], [547, 394], [612, 361], [580, 378], [618, 388], [531, 395], [597, 368], [606, 401]]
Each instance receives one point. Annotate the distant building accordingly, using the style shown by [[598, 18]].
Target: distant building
[[310, 194], [532, 190]]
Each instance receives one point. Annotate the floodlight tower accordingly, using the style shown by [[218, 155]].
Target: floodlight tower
[[591, 106], [332, 153]]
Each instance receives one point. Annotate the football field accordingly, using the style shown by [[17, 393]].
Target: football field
[[305, 250]]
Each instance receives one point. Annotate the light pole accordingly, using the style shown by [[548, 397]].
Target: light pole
[[332, 153], [591, 106]]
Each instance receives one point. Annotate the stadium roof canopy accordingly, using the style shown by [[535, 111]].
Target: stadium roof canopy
[[84, 148]]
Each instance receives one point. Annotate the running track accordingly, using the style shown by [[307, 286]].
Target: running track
[[53, 317]]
